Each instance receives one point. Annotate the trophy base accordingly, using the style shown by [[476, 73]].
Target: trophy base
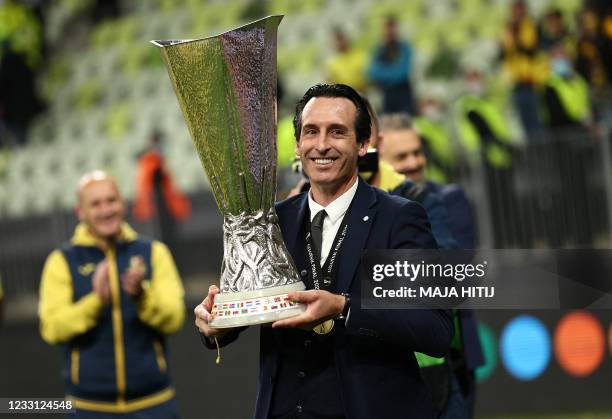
[[255, 307]]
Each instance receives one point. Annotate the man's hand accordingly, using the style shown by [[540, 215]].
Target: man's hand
[[203, 317], [321, 306], [99, 281], [131, 280]]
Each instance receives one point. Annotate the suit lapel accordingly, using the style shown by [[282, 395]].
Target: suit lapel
[[360, 221]]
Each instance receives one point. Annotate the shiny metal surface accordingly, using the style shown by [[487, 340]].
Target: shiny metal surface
[[254, 253], [226, 88]]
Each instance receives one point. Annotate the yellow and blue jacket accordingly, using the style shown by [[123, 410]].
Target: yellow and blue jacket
[[114, 354]]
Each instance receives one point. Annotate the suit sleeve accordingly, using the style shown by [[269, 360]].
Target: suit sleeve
[[426, 331], [161, 305], [62, 319], [439, 221], [462, 221]]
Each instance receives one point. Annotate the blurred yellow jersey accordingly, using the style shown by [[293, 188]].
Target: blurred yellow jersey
[[349, 68]]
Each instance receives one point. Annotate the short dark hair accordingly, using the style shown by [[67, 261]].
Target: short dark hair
[[362, 117]]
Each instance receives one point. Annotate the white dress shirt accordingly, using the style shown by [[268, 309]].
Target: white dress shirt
[[335, 212]]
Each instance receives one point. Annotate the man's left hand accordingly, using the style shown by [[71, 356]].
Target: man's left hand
[[320, 306], [131, 281]]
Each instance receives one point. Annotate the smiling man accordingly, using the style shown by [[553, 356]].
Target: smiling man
[[403, 148], [338, 360], [109, 298]]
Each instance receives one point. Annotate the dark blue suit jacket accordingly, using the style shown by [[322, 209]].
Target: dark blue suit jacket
[[461, 224], [436, 212], [378, 374], [460, 214]]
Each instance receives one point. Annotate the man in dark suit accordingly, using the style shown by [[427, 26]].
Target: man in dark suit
[[404, 149], [337, 360]]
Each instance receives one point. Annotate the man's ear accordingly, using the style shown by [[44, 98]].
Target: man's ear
[[363, 147]]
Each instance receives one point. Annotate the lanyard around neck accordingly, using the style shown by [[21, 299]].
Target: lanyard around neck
[[324, 273]]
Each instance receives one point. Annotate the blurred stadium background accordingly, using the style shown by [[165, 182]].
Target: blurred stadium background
[[81, 88]]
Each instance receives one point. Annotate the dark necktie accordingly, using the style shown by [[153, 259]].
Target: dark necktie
[[316, 232]]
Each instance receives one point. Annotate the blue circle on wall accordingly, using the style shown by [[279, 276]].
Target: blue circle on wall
[[525, 347]]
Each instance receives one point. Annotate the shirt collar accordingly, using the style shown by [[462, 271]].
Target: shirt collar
[[337, 208], [83, 237]]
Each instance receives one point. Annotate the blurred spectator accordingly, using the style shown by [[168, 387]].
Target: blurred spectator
[[399, 141], [566, 93], [156, 193], [568, 115], [401, 146], [606, 40], [445, 63], [485, 135], [109, 298], [432, 129], [390, 70], [553, 31], [20, 56], [451, 379], [348, 65], [589, 62], [526, 66]]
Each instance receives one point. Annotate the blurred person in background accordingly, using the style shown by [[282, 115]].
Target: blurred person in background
[[21, 49], [390, 70], [568, 115], [589, 47], [450, 379], [380, 174], [109, 298], [605, 36], [432, 128], [403, 149], [566, 95], [526, 65], [348, 65], [156, 193], [484, 134], [553, 31], [589, 61]]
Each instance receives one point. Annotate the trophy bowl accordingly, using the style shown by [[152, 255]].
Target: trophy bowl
[[226, 88]]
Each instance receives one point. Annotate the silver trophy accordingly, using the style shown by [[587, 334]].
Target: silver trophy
[[226, 88]]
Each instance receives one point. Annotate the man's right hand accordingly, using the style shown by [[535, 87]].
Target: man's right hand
[[100, 283], [203, 317]]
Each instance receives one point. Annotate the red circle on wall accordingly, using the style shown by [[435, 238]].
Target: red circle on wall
[[579, 343]]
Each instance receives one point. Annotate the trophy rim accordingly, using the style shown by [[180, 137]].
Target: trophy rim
[[165, 43], [235, 297], [258, 317], [255, 319]]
